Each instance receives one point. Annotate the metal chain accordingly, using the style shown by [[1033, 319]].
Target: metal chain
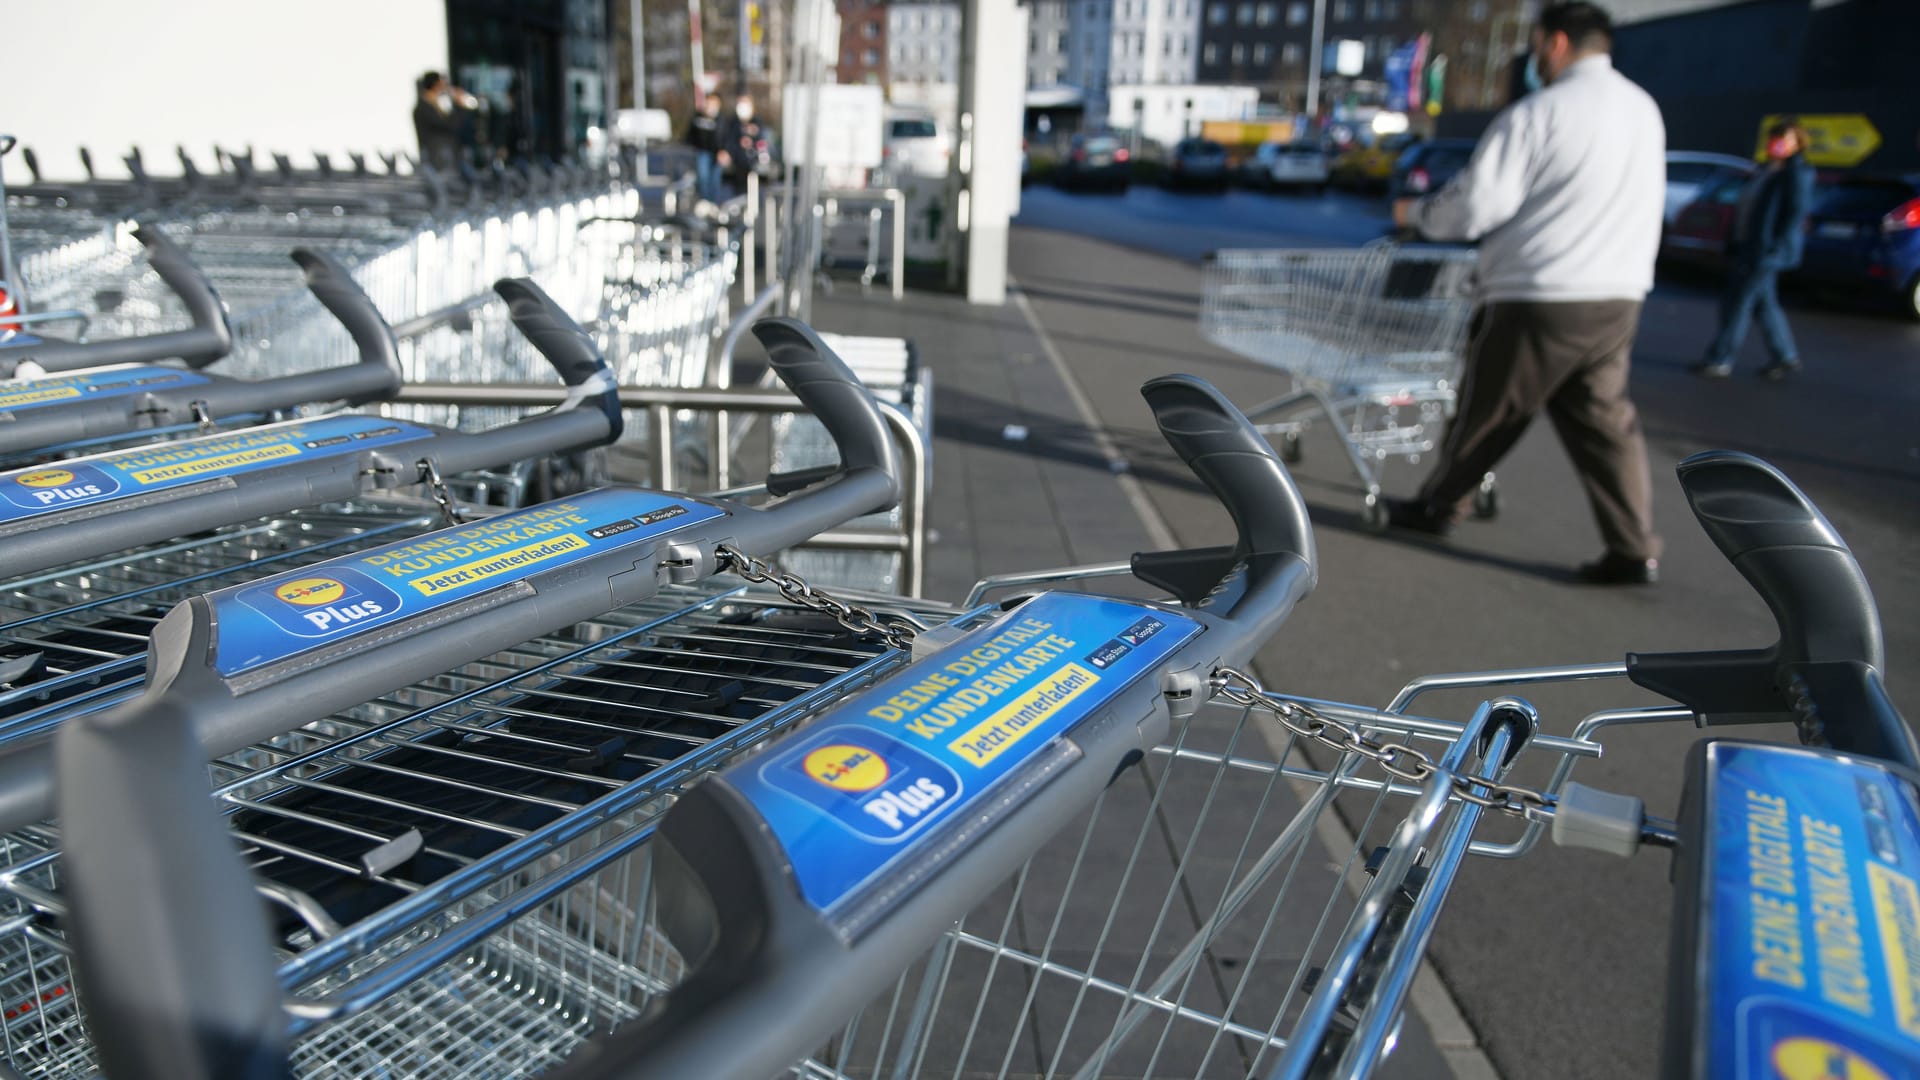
[[897, 633], [1399, 760], [202, 417], [430, 476]]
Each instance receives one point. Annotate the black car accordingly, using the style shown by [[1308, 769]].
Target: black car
[[1427, 166], [1096, 161]]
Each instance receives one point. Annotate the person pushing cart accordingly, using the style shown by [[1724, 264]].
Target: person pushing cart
[[1565, 193]]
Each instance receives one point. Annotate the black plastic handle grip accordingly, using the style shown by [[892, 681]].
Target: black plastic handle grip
[[1273, 562], [197, 897], [1823, 672], [333, 285], [868, 479], [209, 339]]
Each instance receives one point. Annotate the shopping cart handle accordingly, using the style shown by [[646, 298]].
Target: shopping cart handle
[[1829, 626], [209, 339], [590, 415], [163, 1023], [1272, 563], [69, 409], [798, 883]]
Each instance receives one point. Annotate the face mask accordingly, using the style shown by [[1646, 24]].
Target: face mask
[[1532, 77], [445, 102], [744, 112], [1780, 148]]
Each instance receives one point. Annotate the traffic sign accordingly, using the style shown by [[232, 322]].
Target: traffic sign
[[1838, 140]]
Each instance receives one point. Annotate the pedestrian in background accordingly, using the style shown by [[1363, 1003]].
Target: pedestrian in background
[[1564, 193], [741, 143], [703, 134], [439, 116], [1769, 234]]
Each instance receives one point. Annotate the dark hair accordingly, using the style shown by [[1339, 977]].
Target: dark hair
[[1588, 26], [1791, 124], [428, 81]]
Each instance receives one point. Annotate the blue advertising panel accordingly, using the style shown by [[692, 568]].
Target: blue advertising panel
[[270, 620], [848, 797], [62, 485], [1813, 896], [113, 382]]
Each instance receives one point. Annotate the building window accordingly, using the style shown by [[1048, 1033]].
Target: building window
[[1290, 53], [1373, 9], [1210, 53], [1060, 41], [1166, 48], [1343, 10], [1477, 11], [1239, 53], [1389, 9], [1263, 14], [1243, 14], [1262, 53], [1186, 47], [1298, 12], [870, 30], [869, 58], [1216, 14]]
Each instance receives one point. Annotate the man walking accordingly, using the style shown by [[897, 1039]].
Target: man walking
[[1564, 194], [1768, 237]]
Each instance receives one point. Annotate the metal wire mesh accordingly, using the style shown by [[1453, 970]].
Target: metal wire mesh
[[1343, 318], [1175, 929]]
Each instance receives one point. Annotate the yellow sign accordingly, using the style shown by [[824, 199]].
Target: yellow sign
[[1246, 132], [1839, 140], [985, 741]]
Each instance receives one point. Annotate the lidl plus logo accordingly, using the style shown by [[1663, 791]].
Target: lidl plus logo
[[321, 604], [873, 785]]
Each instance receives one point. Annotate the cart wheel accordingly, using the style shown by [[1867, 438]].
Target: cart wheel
[[1486, 501], [1290, 449], [1376, 514]]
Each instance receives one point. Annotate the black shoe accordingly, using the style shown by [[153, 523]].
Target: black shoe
[[1780, 369], [1414, 515], [1612, 569], [1708, 369]]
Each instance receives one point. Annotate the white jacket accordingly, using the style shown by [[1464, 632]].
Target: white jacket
[[1564, 192]]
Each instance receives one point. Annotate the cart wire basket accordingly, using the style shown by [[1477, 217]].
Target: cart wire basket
[[1373, 338]]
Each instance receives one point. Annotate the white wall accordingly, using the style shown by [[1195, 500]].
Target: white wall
[[293, 77]]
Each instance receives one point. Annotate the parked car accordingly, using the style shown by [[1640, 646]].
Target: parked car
[[916, 145], [1690, 173], [1294, 164], [1197, 162], [1698, 233], [1096, 161], [1427, 166], [1370, 166], [1864, 236]]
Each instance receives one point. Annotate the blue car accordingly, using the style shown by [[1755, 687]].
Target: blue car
[[1864, 236]]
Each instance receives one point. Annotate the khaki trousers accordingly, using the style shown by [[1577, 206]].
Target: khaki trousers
[[1572, 359]]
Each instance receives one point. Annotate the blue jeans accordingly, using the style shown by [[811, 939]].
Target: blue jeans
[[1751, 291], [706, 176]]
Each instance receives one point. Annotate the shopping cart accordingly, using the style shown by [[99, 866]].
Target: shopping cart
[[513, 748], [59, 415], [1372, 336]]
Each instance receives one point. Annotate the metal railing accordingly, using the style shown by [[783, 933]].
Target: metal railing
[[661, 403]]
